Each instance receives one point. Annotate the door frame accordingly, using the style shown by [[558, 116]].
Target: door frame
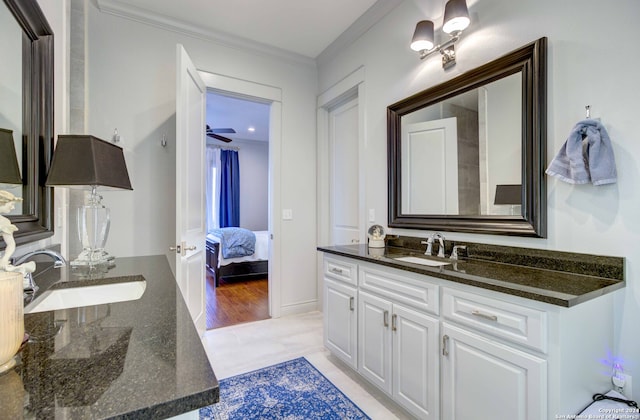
[[272, 95], [353, 85]]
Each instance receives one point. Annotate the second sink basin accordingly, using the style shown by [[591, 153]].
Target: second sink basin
[[74, 297], [422, 261]]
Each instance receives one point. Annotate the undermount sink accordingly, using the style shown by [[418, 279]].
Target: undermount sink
[[422, 261], [75, 297]]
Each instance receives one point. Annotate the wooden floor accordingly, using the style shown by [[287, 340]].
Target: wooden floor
[[236, 302]]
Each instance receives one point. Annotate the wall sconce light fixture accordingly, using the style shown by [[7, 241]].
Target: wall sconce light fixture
[[456, 20]]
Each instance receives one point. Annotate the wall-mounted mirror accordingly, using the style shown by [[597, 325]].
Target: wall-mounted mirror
[[26, 108], [468, 155]]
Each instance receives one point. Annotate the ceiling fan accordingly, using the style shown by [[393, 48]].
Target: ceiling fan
[[215, 133]]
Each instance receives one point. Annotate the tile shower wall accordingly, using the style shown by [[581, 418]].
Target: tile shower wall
[[468, 158], [77, 114]]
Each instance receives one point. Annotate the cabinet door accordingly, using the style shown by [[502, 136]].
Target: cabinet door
[[416, 375], [340, 321], [484, 380], [374, 339]]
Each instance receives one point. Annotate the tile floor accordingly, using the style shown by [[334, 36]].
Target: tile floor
[[246, 347]]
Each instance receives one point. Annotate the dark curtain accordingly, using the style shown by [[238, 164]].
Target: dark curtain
[[229, 189]]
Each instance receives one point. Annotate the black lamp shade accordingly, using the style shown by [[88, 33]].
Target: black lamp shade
[[456, 16], [508, 194], [423, 36], [9, 170], [87, 160]]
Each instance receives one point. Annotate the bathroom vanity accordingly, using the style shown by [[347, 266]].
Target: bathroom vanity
[[505, 333], [140, 357]]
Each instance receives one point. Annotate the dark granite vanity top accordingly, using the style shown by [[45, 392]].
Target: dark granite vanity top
[[558, 278], [134, 359]]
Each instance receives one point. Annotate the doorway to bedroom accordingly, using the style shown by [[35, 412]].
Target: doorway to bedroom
[[237, 185]]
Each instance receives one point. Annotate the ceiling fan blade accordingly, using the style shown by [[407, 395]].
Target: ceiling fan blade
[[223, 130], [219, 137]]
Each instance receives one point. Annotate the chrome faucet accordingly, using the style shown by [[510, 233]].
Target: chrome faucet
[[429, 243], [58, 259], [440, 238], [455, 254]]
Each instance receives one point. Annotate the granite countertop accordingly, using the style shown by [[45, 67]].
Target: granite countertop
[[557, 278], [135, 359]]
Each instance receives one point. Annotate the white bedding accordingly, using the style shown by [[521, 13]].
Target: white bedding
[[261, 253]]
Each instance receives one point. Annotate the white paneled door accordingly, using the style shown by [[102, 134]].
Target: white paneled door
[[345, 213], [190, 187], [430, 167]]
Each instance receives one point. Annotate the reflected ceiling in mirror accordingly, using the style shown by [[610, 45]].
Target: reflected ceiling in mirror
[[451, 146]]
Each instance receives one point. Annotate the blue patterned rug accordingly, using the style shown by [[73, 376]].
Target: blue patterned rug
[[292, 390]]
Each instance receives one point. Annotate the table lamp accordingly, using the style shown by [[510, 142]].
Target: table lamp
[[87, 162], [509, 194], [9, 170]]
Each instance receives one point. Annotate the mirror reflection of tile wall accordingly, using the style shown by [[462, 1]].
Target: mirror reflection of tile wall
[[77, 112], [468, 158]]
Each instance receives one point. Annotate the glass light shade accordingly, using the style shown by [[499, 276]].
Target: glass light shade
[[423, 36], [456, 16], [11, 318]]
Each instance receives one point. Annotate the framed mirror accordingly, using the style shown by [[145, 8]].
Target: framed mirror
[[26, 108], [468, 155]]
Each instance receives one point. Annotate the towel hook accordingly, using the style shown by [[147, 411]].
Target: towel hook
[[588, 110]]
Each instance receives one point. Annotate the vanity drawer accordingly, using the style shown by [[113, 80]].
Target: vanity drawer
[[341, 270], [515, 323], [407, 288]]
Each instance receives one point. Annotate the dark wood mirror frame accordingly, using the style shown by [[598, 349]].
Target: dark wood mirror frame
[[36, 222], [531, 62]]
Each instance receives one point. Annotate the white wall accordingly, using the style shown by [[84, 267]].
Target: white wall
[[254, 184], [253, 159], [131, 87], [503, 124], [592, 60]]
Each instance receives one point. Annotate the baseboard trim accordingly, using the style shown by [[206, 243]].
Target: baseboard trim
[[299, 308]]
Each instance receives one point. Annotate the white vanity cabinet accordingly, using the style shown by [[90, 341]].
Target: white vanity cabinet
[[445, 350], [398, 340], [397, 352], [485, 380], [340, 309]]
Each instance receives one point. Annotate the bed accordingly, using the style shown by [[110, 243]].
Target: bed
[[254, 266]]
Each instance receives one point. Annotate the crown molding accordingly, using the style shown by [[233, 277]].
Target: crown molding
[[372, 16], [146, 17]]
